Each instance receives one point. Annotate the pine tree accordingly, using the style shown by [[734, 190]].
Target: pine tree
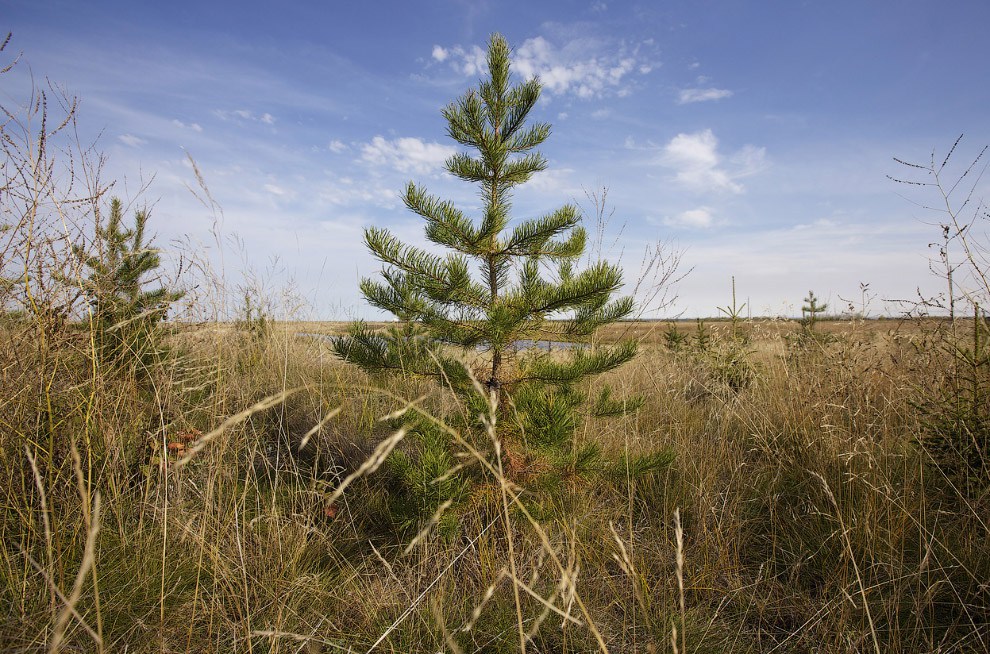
[[499, 284], [810, 311], [125, 314]]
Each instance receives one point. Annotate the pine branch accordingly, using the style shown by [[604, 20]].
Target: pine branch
[[530, 238], [407, 350], [585, 362]]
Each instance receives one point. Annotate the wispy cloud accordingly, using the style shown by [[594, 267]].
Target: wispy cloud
[[698, 165], [700, 218], [687, 96], [193, 126], [244, 115], [748, 160], [586, 68], [407, 154], [131, 140], [337, 146], [775, 266], [467, 61], [557, 182], [344, 191]]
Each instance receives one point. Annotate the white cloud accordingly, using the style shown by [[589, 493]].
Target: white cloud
[[700, 218], [687, 96], [599, 7], [407, 154], [582, 67], [131, 140], [599, 114], [274, 189], [697, 163], [346, 192], [695, 158], [193, 126], [562, 115], [555, 181], [471, 61], [561, 74], [337, 146], [245, 115]]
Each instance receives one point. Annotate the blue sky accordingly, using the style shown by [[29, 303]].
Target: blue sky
[[753, 137]]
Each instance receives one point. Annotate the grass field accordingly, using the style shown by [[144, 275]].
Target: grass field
[[228, 483], [792, 504]]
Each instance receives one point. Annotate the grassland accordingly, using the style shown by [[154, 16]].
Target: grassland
[[797, 507], [221, 486]]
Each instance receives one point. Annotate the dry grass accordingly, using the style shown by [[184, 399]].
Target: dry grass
[[244, 493], [810, 520]]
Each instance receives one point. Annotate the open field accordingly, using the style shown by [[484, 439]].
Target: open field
[[513, 467], [791, 476], [651, 332]]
